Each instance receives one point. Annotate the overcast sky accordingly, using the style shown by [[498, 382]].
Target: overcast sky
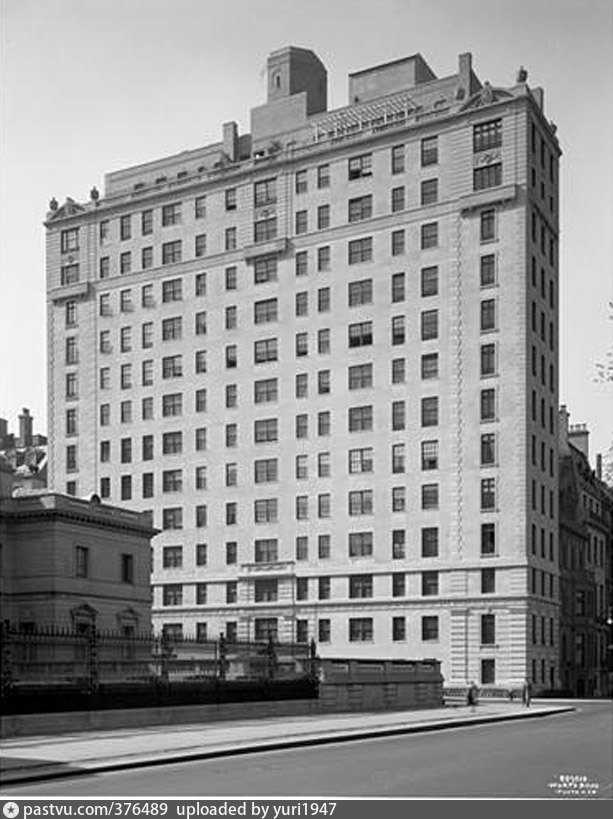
[[90, 86]]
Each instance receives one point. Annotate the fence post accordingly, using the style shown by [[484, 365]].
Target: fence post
[[313, 672], [6, 672], [223, 652], [165, 652], [92, 660], [272, 657]]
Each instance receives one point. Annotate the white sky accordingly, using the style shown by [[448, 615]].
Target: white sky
[[90, 86]]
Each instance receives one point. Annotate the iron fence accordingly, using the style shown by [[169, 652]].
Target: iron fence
[[54, 656]]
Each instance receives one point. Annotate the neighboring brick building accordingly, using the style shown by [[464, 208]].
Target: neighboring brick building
[[68, 562], [586, 553], [325, 354]]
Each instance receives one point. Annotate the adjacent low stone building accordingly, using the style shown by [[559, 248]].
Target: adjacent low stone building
[[71, 562]]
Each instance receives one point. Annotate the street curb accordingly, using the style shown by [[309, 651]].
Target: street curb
[[278, 745]]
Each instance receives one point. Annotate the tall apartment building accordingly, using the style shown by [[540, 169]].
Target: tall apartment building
[[324, 353]]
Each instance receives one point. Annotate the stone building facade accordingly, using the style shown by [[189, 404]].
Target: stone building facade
[[324, 353]]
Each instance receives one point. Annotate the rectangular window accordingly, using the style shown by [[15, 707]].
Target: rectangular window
[[398, 199], [429, 628], [146, 258], [323, 259], [429, 191], [488, 449], [429, 325], [301, 222], [360, 585], [230, 199], [360, 250], [488, 359], [487, 135], [398, 242], [81, 561], [488, 405], [301, 263], [360, 502], [398, 370], [264, 230], [429, 496], [323, 176], [172, 290], [488, 494], [360, 292], [323, 217], [265, 192], [172, 443], [125, 227], [265, 430], [361, 630], [125, 262], [487, 225], [360, 419], [265, 350], [398, 415], [360, 335], [301, 182], [488, 581], [323, 300], [429, 151], [360, 166], [397, 164], [200, 245], [488, 629], [398, 287], [361, 460], [429, 411], [323, 588], [172, 518], [171, 214], [172, 557], [429, 455], [429, 235], [359, 208], [265, 391], [171, 252], [429, 541], [489, 176], [398, 584], [265, 311]]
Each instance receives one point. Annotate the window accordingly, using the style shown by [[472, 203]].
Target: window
[[265, 311], [301, 262], [171, 214], [264, 230], [70, 314], [302, 507], [488, 315], [324, 423], [488, 581], [398, 371], [429, 628], [359, 208], [69, 240], [323, 341], [104, 271], [429, 151], [72, 352], [302, 470], [302, 344], [200, 477], [487, 225], [360, 419], [429, 366], [323, 217], [429, 191], [398, 499], [172, 443], [323, 505], [231, 513], [265, 350], [323, 588], [265, 430], [323, 176], [172, 518], [201, 516], [429, 455], [488, 629], [429, 235], [302, 426], [146, 222], [398, 629], [398, 458], [230, 275], [70, 273], [323, 259], [488, 176], [301, 181], [360, 250], [397, 164], [302, 225], [488, 359], [200, 323], [172, 405], [146, 258], [488, 494], [429, 496], [105, 415], [398, 415], [200, 402], [172, 594], [231, 592], [323, 465], [172, 290], [302, 303], [487, 135], [398, 584], [264, 192], [200, 361], [171, 252], [81, 561], [200, 439], [265, 391], [361, 460], [488, 449], [398, 287], [398, 199], [360, 292], [323, 382], [323, 300], [172, 366], [265, 269], [429, 411], [360, 502], [398, 242], [429, 324], [360, 335], [429, 541], [200, 207], [360, 166], [360, 376], [266, 550], [200, 284], [172, 557], [488, 405], [360, 585], [200, 245], [360, 629], [125, 227], [125, 376], [172, 328], [265, 470], [231, 355], [230, 199], [231, 317]]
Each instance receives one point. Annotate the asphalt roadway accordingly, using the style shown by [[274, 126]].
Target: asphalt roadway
[[522, 759]]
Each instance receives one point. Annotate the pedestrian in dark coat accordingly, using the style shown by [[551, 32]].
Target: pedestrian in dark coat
[[471, 696], [526, 693]]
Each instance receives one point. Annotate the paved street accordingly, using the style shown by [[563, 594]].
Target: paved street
[[497, 760]]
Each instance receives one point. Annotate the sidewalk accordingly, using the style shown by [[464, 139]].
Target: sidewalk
[[49, 757]]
